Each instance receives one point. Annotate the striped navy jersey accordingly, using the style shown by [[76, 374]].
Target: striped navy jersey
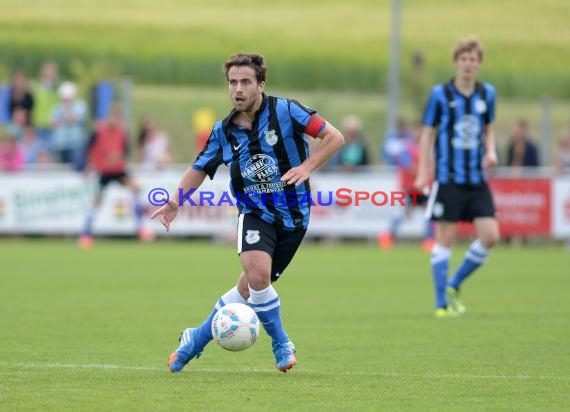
[[461, 123], [259, 157]]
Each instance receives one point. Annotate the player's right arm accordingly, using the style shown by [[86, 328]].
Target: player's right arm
[[205, 164], [426, 143], [430, 122], [192, 179]]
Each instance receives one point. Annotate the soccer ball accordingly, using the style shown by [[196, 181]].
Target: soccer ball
[[235, 327]]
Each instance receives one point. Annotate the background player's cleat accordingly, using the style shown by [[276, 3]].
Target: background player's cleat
[[85, 241], [447, 312], [284, 355], [146, 235], [428, 244], [185, 352], [385, 241], [455, 301]]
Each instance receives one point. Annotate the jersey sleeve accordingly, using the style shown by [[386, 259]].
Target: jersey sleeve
[[210, 157], [491, 98], [305, 119], [432, 109]]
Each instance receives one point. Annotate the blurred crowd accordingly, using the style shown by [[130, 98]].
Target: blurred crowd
[[45, 123]]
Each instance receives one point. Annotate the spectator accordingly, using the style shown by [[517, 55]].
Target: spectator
[[154, 146], [522, 151], [17, 124], [20, 96], [12, 157], [562, 159], [46, 99], [69, 119], [353, 154], [36, 152], [394, 142], [202, 121]]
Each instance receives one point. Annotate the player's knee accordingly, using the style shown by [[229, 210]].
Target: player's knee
[[258, 279], [490, 239]]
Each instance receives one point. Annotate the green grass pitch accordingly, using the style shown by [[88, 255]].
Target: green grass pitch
[[91, 330]]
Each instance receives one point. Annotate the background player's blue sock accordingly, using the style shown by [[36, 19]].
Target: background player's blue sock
[[88, 225], [474, 257], [138, 206], [440, 256], [204, 332], [428, 230], [395, 224], [267, 306]]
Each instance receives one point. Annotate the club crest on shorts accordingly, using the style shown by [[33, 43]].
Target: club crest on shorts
[[252, 236], [438, 209], [271, 137]]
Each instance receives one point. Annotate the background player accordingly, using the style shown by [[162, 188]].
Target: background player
[[107, 155], [462, 111]]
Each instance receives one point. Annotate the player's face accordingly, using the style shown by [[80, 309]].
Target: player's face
[[244, 89], [468, 64]]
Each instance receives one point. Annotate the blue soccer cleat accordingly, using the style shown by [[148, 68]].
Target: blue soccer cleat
[[185, 352], [284, 355]]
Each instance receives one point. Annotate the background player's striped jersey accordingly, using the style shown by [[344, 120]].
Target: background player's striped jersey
[[260, 156], [461, 122]]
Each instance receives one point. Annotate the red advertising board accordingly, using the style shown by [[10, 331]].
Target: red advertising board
[[523, 207]]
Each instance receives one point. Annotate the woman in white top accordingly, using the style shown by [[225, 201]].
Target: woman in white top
[[154, 146]]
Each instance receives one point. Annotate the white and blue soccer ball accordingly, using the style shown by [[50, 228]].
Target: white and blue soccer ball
[[235, 327]]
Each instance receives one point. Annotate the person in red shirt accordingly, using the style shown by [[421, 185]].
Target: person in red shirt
[[107, 155], [406, 159]]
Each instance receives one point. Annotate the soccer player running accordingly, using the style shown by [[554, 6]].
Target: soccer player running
[[460, 114], [262, 140]]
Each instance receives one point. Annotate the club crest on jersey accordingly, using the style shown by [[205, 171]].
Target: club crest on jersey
[[271, 137], [252, 237], [467, 131], [480, 106]]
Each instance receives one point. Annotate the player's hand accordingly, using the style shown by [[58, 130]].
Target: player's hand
[[490, 160], [166, 213], [421, 183], [296, 175]]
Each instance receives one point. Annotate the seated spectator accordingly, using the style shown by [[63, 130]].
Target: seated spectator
[[36, 152], [12, 156], [20, 96], [154, 146], [522, 151], [354, 153], [69, 120], [17, 123], [562, 155]]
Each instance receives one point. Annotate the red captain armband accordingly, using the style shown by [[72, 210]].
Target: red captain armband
[[314, 125]]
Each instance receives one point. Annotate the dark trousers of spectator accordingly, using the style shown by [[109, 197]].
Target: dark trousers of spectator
[[74, 157]]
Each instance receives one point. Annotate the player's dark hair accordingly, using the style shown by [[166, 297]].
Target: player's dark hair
[[253, 60]]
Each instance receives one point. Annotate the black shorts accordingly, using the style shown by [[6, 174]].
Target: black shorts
[[451, 202], [257, 234], [105, 179]]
